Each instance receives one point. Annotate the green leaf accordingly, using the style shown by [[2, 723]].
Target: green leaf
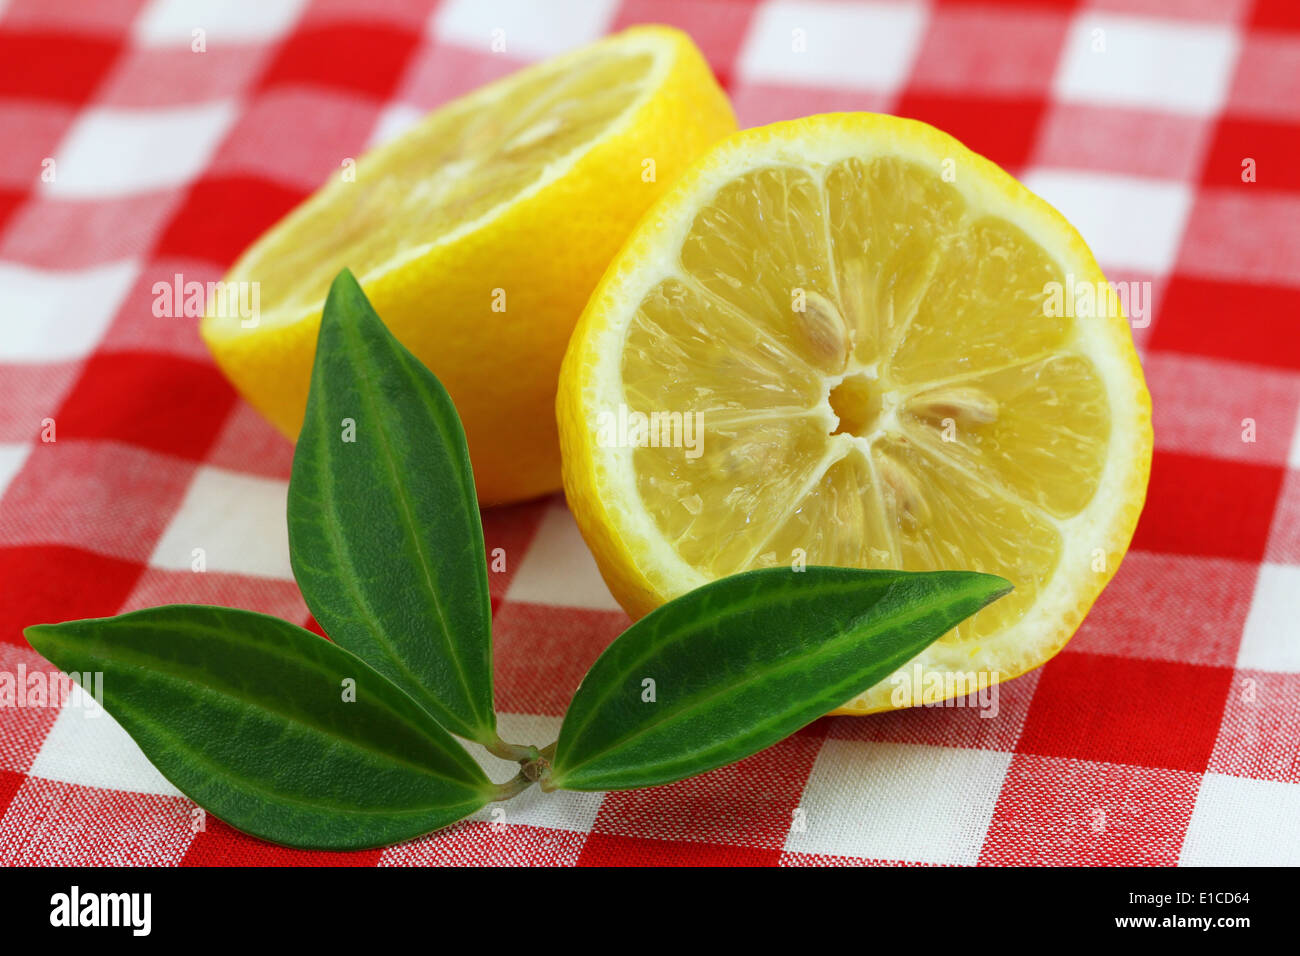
[[384, 530], [246, 715], [744, 662]]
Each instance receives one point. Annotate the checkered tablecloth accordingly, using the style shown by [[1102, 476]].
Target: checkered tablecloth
[[1165, 733]]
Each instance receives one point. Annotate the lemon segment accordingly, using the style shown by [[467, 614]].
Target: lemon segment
[[852, 307], [478, 236]]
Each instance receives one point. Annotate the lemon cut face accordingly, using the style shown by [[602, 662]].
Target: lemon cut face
[[446, 175], [863, 346], [478, 236]]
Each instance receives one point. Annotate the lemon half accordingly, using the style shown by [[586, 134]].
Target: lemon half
[[856, 314], [478, 236]]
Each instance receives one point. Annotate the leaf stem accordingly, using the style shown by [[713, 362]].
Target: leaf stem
[[512, 787], [516, 752]]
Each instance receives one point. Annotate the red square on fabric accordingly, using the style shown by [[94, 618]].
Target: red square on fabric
[[222, 845], [32, 393], [1114, 139], [1260, 728], [10, 782], [1245, 233], [328, 126], [221, 217], [47, 584], [53, 823], [1195, 11], [99, 496], [479, 843], [1001, 129], [1171, 607], [605, 849], [1244, 321], [163, 402], [32, 134], [22, 729], [749, 804], [249, 444], [1267, 78], [135, 327], [1128, 711], [10, 200], [1272, 145], [543, 652], [157, 76], [1054, 812], [441, 71], [757, 104], [360, 57], [1275, 15], [965, 49], [50, 66], [1249, 415], [59, 234], [101, 18], [313, 625], [1208, 506], [272, 596]]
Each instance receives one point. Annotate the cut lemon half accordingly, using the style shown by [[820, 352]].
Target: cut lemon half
[[478, 236], [837, 341]]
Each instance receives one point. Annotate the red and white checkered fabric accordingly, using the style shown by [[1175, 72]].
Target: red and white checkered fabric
[[1165, 733]]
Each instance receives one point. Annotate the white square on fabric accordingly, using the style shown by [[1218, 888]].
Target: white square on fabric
[[394, 119], [239, 522], [117, 152], [1151, 64], [1270, 640], [12, 457], [173, 22], [1242, 822], [888, 801], [558, 569], [1128, 222], [867, 46], [88, 747], [562, 810], [55, 316], [527, 28]]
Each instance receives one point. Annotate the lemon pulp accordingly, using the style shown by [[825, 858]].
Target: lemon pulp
[[877, 381], [452, 169]]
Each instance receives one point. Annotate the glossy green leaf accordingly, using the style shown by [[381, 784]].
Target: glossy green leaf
[[743, 662], [247, 715], [384, 530]]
